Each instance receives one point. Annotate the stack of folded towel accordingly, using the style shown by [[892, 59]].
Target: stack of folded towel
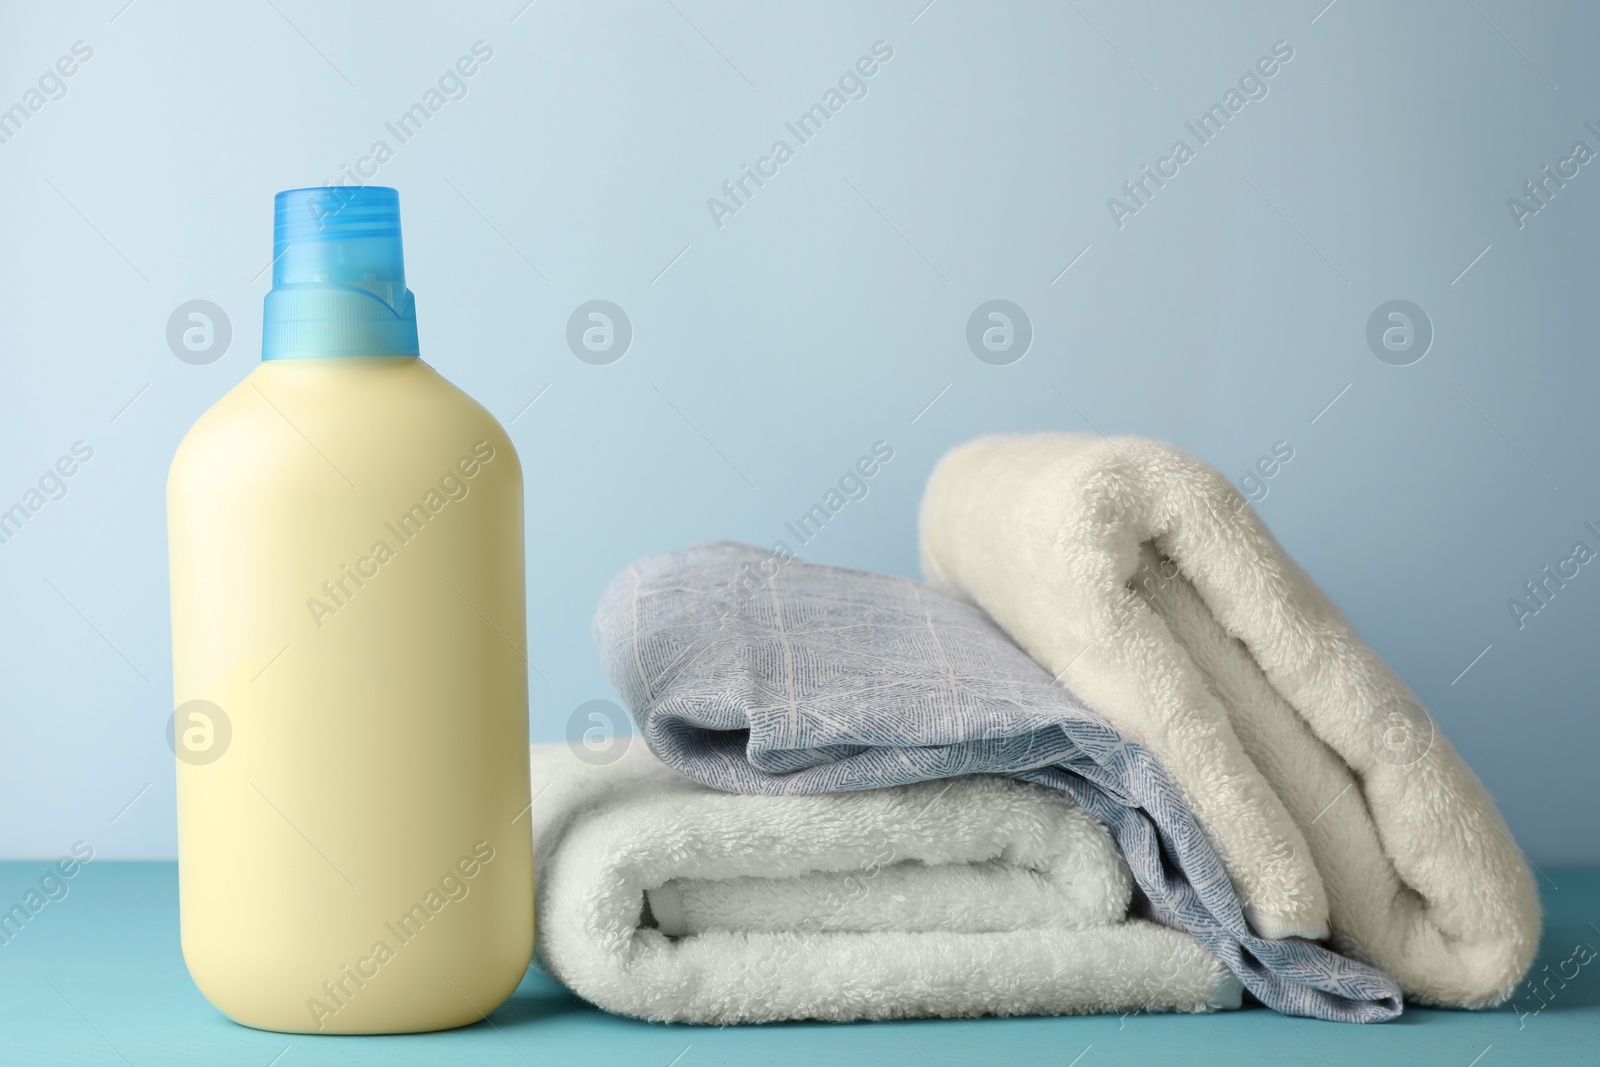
[[817, 834], [667, 900]]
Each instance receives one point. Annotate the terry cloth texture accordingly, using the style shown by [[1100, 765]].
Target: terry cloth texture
[[1139, 577], [663, 899], [815, 679]]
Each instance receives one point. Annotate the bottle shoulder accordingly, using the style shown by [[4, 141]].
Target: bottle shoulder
[[362, 416]]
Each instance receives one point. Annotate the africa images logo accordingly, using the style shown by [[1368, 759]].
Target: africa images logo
[[852, 85], [454, 486], [1252, 85]]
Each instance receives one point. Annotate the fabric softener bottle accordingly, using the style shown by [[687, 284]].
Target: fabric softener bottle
[[346, 540]]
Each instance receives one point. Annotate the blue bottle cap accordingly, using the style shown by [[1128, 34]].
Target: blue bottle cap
[[338, 276]]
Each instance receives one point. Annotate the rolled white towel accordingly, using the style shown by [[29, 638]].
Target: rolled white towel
[[1140, 578], [660, 898]]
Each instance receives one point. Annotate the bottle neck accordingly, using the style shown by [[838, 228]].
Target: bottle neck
[[309, 321]]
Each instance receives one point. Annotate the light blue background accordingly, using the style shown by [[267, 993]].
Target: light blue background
[[830, 311]]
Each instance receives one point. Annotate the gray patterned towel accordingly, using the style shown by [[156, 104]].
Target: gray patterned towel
[[759, 674]]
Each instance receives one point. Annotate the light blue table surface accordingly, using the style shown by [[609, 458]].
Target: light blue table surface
[[97, 977]]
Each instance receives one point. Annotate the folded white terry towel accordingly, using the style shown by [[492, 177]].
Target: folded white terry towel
[[660, 898], [1139, 576]]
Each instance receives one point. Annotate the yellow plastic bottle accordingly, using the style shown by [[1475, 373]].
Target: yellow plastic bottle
[[346, 539]]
